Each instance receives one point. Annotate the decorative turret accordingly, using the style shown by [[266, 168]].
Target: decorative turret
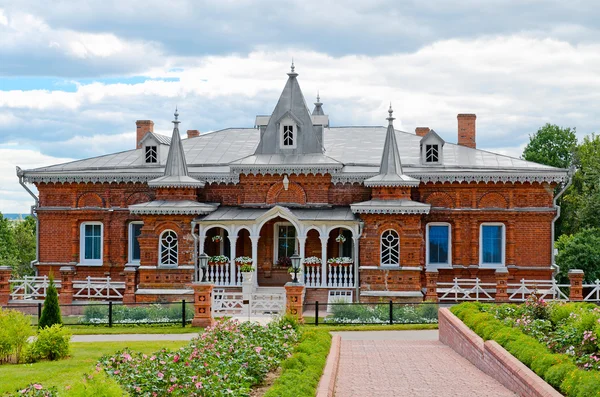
[[318, 110]]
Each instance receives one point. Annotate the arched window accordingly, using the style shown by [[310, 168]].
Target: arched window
[[168, 248], [390, 248]]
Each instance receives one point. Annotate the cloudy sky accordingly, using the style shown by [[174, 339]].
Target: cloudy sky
[[74, 76]]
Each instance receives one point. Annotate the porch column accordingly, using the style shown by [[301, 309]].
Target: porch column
[[201, 239], [324, 241], [254, 241], [232, 267], [301, 248], [356, 266]]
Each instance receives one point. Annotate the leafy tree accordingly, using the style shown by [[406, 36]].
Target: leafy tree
[[552, 145], [51, 312], [7, 244], [579, 251], [25, 242]]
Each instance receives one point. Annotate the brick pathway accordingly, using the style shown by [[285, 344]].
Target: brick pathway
[[411, 368]]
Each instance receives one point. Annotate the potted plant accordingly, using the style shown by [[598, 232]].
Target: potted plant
[[284, 261], [340, 238], [340, 261], [218, 260], [312, 261], [346, 261], [334, 262], [243, 260], [247, 272], [217, 239], [291, 272]]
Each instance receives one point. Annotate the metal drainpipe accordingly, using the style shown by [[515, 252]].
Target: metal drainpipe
[[357, 251], [571, 172], [37, 221], [195, 237]]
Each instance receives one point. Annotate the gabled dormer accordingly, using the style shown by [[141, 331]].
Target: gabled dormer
[[432, 149], [153, 145], [290, 128]]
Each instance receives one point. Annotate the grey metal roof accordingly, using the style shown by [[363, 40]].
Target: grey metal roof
[[304, 214], [187, 207], [390, 170], [390, 207], [163, 140]]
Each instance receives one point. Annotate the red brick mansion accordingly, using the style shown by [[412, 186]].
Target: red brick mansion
[[370, 210]]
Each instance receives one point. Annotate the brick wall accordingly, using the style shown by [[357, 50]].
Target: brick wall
[[491, 358]]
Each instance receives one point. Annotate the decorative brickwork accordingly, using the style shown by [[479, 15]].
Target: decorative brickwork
[[67, 274], [501, 285], [130, 285], [576, 279], [431, 277], [202, 304], [279, 194], [294, 300]]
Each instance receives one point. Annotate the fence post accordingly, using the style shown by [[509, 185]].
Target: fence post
[[501, 285], [391, 312], [576, 281], [110, 320], [431, 279], [183, 313], [294, 295], [316, 313], [129, 294], [202, 304], [39, 312], [66, 285], [5, 272]]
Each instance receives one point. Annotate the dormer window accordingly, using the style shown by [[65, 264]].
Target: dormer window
[[151, 154], [432, 153], [288, 135]]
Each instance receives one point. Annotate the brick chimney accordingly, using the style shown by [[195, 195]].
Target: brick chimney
[[422, 131], [466, 130], [143, 127], [193, 133]]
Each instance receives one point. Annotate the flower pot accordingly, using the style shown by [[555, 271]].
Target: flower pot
[[247, 276]]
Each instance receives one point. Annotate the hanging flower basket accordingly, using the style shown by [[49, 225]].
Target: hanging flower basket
[[312, 261], [243, 260], [218, 260], [340, 238], [217, 239]]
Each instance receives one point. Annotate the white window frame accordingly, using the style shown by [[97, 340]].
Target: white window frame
[[90, 262], [381, 249], [503, 248], [167, 265], [155, 146], [438, 265], [288, 122], [130, 259], [276, 239]]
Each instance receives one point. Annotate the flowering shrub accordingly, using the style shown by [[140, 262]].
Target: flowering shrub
[[37, 390], [312, 261], [425, 313], [227, 359]]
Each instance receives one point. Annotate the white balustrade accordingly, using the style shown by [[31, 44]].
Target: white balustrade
[[465, 290], [312, 276], [31, 287], [218, 274], [98, 287], [340, 276]]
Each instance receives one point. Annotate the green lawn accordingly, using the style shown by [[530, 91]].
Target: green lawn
[[65, 372], [135, 329]]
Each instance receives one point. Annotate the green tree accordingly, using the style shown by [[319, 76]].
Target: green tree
[[579, 251], [51, 312], [24, 251], [552, 145], [7, 243]]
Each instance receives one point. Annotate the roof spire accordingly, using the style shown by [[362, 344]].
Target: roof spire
[[318, 110], [318, 97], [176, 114], [292, 68], [390, 119]]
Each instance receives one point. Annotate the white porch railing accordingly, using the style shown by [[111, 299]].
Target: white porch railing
[[545, 289], [98, 288], [465, 290], [31, 287], [594, 294], [335, 277], [219, 274]]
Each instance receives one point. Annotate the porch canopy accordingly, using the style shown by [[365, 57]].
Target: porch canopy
[[322, 220]]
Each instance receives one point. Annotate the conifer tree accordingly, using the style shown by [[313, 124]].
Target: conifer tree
[[51, 312]]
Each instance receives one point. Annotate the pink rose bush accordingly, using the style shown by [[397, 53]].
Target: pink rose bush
[[226, 360]]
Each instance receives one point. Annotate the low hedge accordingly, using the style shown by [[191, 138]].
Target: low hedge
[[558, 370], [302, 371]]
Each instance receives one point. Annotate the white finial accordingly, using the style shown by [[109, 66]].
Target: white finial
[[293, 67], [318, 97], [176, 114], [390, 111]]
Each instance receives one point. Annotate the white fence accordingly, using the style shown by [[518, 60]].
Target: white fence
[[259, 304], [474, 290], [335, 277], [35, 288]]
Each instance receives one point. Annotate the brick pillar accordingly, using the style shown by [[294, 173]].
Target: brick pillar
[[576, 280], [202, 304], [294, 296], [501, 285], [129, 294], [431, 279], [5, 272], [67, 273]]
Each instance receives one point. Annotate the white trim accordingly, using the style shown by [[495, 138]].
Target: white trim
[[276, 239], [82, 260], [502, 249], [130, 260], [448, 264], [168, 265], [381, 249]]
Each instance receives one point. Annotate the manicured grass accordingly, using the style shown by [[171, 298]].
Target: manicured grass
[[65, 372], [374, 327], [301, 372], [135, 329]]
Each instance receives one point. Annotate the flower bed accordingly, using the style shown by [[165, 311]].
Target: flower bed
[[558, 341], [380, 314], [228, 359]]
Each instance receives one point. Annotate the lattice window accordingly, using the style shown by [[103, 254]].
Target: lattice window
[[286, 241], [288, 135], [390, 248], [168, 248], [432, 154], [151, 154]]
